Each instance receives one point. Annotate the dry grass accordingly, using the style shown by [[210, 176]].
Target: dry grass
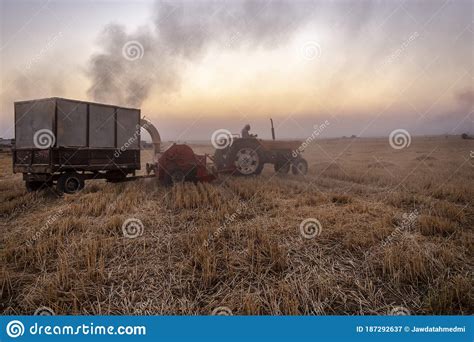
[[237, 242]]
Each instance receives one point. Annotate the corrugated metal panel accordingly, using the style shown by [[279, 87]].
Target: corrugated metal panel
[[30, 117], [128, 128], [101, 126], [72, 123]]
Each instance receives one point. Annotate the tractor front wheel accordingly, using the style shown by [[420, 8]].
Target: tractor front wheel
[[300, 167]]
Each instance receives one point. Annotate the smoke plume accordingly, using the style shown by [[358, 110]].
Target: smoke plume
[[181, 32]]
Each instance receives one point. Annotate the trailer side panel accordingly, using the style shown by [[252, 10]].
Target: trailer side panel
[[71, 123], [128, 129], [101, 126], [31, 117]]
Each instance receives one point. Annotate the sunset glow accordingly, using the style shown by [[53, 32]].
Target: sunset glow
[[350, 61]]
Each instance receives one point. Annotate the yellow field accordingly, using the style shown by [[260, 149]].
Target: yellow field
[[396, 231]]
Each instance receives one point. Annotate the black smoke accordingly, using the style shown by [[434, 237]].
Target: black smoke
[[182, 31]]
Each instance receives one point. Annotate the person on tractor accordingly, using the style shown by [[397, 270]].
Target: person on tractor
[[246, 132]]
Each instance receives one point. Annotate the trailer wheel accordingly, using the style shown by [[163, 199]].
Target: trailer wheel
[[70, 183], [300, 167]]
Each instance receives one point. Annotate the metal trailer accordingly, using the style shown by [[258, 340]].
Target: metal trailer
[[64, 142]]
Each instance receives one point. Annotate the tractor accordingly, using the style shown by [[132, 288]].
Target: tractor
[[246, 156]]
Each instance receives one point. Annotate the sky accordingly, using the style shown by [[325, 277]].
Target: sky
[[365, 67]]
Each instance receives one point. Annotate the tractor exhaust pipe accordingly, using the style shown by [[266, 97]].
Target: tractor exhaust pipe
[[273, 129]]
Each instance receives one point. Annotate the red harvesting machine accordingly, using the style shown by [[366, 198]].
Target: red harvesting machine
[[179, 163]]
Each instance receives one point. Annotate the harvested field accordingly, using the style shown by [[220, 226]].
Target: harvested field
[[396, 230]]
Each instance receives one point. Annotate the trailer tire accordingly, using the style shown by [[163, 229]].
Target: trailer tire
[[70, 183]]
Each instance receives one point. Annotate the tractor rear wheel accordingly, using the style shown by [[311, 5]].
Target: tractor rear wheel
[[247, 158], [300, 167]]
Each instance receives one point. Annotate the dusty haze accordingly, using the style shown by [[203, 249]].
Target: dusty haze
[[367, 67]]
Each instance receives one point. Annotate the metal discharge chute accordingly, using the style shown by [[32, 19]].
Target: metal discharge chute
[[154, 134]]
